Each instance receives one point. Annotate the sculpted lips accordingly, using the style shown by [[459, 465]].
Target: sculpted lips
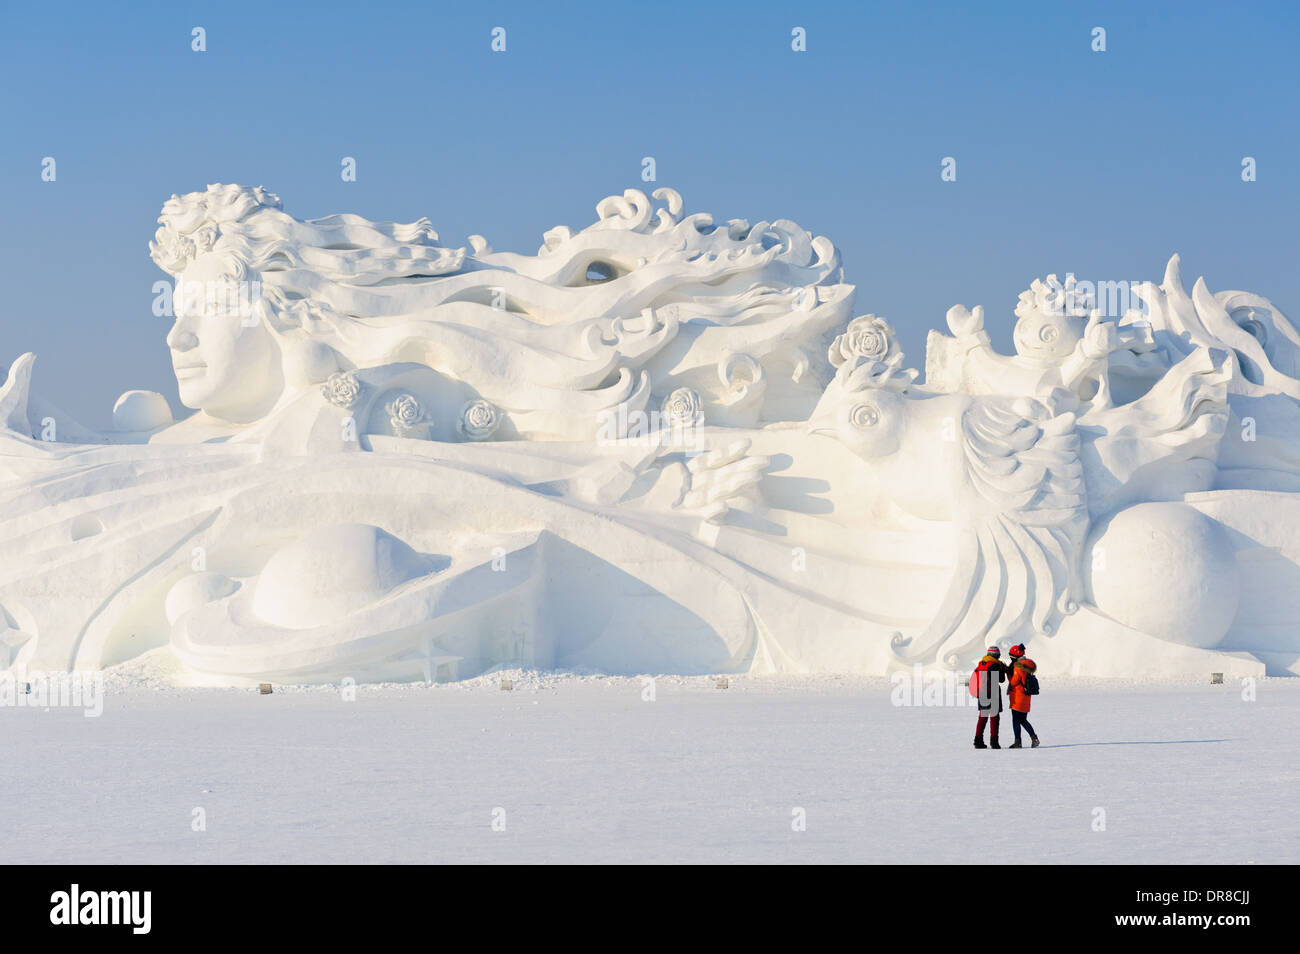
[[189, 369]]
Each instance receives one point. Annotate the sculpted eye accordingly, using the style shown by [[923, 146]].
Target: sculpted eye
[[1048, 334], [865, 415]]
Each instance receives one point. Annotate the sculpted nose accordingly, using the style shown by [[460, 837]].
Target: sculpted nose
[[181, 338]]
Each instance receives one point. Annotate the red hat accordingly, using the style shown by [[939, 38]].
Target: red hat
[[1018, 650]]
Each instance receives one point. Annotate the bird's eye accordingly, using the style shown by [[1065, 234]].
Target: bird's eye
[[1048, 334], [865, 415]]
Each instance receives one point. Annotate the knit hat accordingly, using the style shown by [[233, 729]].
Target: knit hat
[[1018, 651], [994, 651]]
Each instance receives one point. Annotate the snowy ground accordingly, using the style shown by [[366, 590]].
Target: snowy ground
[[585, 770]]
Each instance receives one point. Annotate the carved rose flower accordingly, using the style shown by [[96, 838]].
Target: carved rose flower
[[342, 389], [405, 412], [479, 420], [866, 337], [682, 408]]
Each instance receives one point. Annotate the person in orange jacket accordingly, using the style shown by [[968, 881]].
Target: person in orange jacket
[[1021, 667]]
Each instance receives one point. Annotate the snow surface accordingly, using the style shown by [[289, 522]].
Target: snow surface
[[587, 771]]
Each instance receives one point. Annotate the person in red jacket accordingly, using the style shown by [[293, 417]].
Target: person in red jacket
[[989, 676], [1021, 667]]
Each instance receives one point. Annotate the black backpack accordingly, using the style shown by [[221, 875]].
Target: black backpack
[[1031, 684]]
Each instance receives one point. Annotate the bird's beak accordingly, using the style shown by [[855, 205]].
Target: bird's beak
[[820, 426]]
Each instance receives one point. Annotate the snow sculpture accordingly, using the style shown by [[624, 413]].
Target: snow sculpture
[[660, 444]]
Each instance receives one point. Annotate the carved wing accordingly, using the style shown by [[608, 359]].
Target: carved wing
[[1025, 518]]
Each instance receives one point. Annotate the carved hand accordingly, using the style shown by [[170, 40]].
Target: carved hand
[[1100, 337], [724, 480]]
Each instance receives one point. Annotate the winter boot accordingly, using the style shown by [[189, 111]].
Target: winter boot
[[1035, 745], [979, 744], [993, 744], [1015, 745]]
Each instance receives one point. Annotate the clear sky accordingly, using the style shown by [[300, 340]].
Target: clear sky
[[1068, 160]]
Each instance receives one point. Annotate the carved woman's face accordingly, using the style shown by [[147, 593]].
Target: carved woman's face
[[224, 358]]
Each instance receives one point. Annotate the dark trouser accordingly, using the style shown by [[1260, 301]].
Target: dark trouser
[[993, 728], [1019, 719]]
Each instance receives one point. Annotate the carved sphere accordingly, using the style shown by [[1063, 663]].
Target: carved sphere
[[1165, 569], [331, 573], [141, 411]]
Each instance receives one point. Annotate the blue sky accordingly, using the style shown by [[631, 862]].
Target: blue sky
[[1102, 164]]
